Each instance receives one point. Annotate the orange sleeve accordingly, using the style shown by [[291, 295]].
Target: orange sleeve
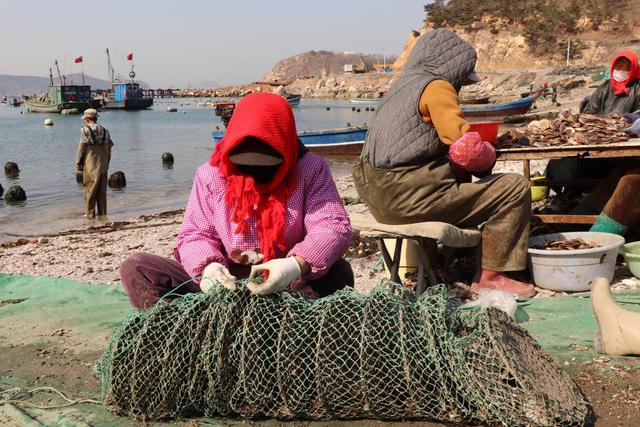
[[439, 105]]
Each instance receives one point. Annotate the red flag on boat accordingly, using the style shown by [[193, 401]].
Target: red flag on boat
[[78, 60], [130, 57]]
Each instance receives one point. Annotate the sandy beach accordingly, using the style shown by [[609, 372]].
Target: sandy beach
[[93, 254]]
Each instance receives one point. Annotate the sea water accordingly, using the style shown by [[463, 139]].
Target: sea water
[[46, 157]]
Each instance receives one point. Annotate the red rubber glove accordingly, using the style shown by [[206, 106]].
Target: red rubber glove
[[472, 154]]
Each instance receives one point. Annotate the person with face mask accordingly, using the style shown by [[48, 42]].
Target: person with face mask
[[616, 199], [262, 204], [419, 155], [618, 95]]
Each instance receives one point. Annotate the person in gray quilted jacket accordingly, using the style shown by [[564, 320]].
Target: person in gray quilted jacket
[[406, 173]]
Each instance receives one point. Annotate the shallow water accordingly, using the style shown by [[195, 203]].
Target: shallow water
[[46, 157]]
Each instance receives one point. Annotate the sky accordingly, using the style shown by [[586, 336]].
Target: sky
[[183, 43]]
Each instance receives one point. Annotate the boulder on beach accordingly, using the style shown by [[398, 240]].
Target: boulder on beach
[[15, 193], [11, 170], [117, 180], [167, 158]]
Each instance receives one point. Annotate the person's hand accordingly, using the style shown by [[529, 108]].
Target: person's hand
[[282, 272], [216, 272], [472, 154], [79, 168], [634, 128]]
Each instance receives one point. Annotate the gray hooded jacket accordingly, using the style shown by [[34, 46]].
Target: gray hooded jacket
[[398, 135]]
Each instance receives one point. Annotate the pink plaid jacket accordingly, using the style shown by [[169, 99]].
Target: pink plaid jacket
[[317, 225]]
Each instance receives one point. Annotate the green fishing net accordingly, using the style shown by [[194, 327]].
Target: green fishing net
[[387, 355]]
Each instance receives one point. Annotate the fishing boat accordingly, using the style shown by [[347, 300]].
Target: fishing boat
[[475, 101], [224, 110], [123, 95], [126, 96], [365, 101], [336, 142], [519, 106], [294, 100], [61, 97]]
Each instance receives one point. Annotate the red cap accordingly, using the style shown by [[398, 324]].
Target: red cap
[[472, 154]]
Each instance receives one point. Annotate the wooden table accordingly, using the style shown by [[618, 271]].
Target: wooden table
[[629, 148]]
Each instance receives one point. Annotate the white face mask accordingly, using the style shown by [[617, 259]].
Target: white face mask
[[620, 75]]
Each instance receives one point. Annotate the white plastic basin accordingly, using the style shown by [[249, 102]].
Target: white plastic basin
[[573, 270]]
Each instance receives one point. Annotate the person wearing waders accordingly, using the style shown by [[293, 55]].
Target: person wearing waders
[[94, 154], [419, 156]]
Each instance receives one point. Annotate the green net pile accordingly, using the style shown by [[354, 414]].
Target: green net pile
[[386, 355]]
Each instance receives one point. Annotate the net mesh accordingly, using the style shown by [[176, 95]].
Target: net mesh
[[386, 355]]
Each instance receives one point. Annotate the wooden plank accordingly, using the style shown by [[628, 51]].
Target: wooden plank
[[526, 169], [566, 219], [630, 148], [593, 154], [571, 182]]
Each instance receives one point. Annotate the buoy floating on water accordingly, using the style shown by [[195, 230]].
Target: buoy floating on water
[[15, 193], [117, 180], [11, 170], [167, 158], [48, 122], [172, 110]]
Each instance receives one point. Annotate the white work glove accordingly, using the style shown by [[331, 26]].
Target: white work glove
[[216, 272], [282, 271], [634, 128]]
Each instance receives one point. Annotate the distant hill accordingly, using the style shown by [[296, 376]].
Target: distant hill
[[315, 63], [535, 34], [28, 85]]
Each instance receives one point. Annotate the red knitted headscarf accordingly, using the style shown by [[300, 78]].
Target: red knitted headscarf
[[267, 117], [620, 88]]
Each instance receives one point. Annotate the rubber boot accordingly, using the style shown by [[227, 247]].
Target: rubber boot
[[618, 333], [604, 224]]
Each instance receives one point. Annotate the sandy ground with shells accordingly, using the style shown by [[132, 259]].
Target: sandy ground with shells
[[93, 254]]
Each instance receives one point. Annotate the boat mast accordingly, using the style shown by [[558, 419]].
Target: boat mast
[[50, 77], [110, 69], [59, 75]]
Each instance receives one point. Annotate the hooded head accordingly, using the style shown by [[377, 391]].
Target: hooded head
[[263, 117], [442, 53], [624, 70], [262, 126]]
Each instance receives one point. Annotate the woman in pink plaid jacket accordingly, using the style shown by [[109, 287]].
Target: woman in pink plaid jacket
[[263, 205]]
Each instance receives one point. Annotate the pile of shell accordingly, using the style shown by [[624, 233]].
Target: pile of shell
[[515, 138], [567, 245], [567, 129], [576, 129]]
